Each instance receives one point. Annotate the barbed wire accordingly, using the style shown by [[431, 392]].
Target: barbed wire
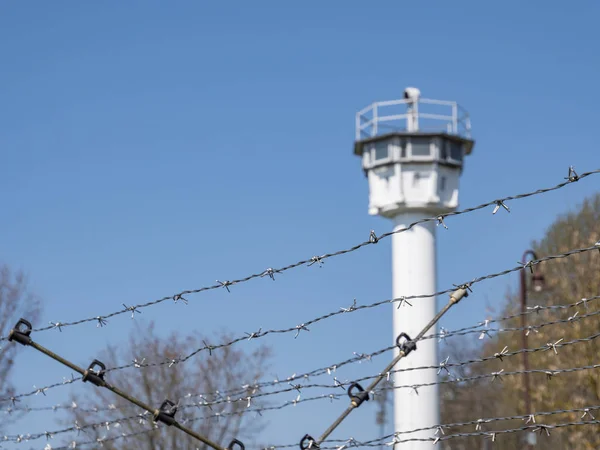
[[548, 373], [360, 395], [535, 309], [244, 391], [441, 435], [102, 320], [309, 442], [94, 374], [335, 396], [487, 330], [304, 326], [144, 418], [401, 300], [539, 428]]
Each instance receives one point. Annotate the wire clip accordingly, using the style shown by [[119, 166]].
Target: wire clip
[[95, 373], [21, 332], [408, 345], [358, 398], [236, 442], [308, 442], [166, 414]]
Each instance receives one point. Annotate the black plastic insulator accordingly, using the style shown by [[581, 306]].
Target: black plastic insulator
[[408, 345], [166, 413], [357, 397], [234, 443], [20, 333], [95, 373], [308, 442]]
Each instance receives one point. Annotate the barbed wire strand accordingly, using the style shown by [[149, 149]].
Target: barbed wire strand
[[309, 442], [246, 391], [540, 428], [330, 396], [382, 441], [102, 320], [333, 396], [319, 259], [486, 331], [479, 423], [536, 309], [548, 373], [142, 418], [259, 334], [21, 334]]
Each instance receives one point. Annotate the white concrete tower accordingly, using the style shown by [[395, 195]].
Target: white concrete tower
[[413, 154]]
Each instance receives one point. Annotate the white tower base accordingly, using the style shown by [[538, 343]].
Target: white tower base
[[414, 273]]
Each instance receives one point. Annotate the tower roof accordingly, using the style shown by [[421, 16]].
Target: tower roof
[[359, 145]]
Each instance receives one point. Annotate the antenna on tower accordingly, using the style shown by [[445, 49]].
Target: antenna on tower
[[411, 95]]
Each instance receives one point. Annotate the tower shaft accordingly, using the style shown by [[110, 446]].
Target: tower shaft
[[414, 273]]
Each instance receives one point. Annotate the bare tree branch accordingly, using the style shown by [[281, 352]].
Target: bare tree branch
[[225, 369], [15, 302]]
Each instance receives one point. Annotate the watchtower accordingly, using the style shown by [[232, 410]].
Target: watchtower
[[413, 153]]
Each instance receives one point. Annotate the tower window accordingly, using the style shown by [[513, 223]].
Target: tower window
[[380, 151], [402, 148], [456, 151], [420, 147], [444, 150]]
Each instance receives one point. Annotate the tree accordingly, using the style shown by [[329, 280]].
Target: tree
[[225, 369], [469, 393], [15, 302], [567, 281]]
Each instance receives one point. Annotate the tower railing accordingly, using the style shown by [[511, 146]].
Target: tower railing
[[424, 115]]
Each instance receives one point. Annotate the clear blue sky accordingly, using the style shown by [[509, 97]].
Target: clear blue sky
[[149, 148]]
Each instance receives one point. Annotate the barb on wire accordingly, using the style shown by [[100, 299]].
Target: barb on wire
[[319, 259], [95, 373], [260, 333]]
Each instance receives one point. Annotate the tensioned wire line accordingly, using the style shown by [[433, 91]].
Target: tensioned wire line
[[333, 396], [250, 392], [587, 411], [403, 351], [304, 326], [102, 320], [143, 418], [542, 429], [309, 442], [445, 365], [440, 434], [351, 442], [21, 334]]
